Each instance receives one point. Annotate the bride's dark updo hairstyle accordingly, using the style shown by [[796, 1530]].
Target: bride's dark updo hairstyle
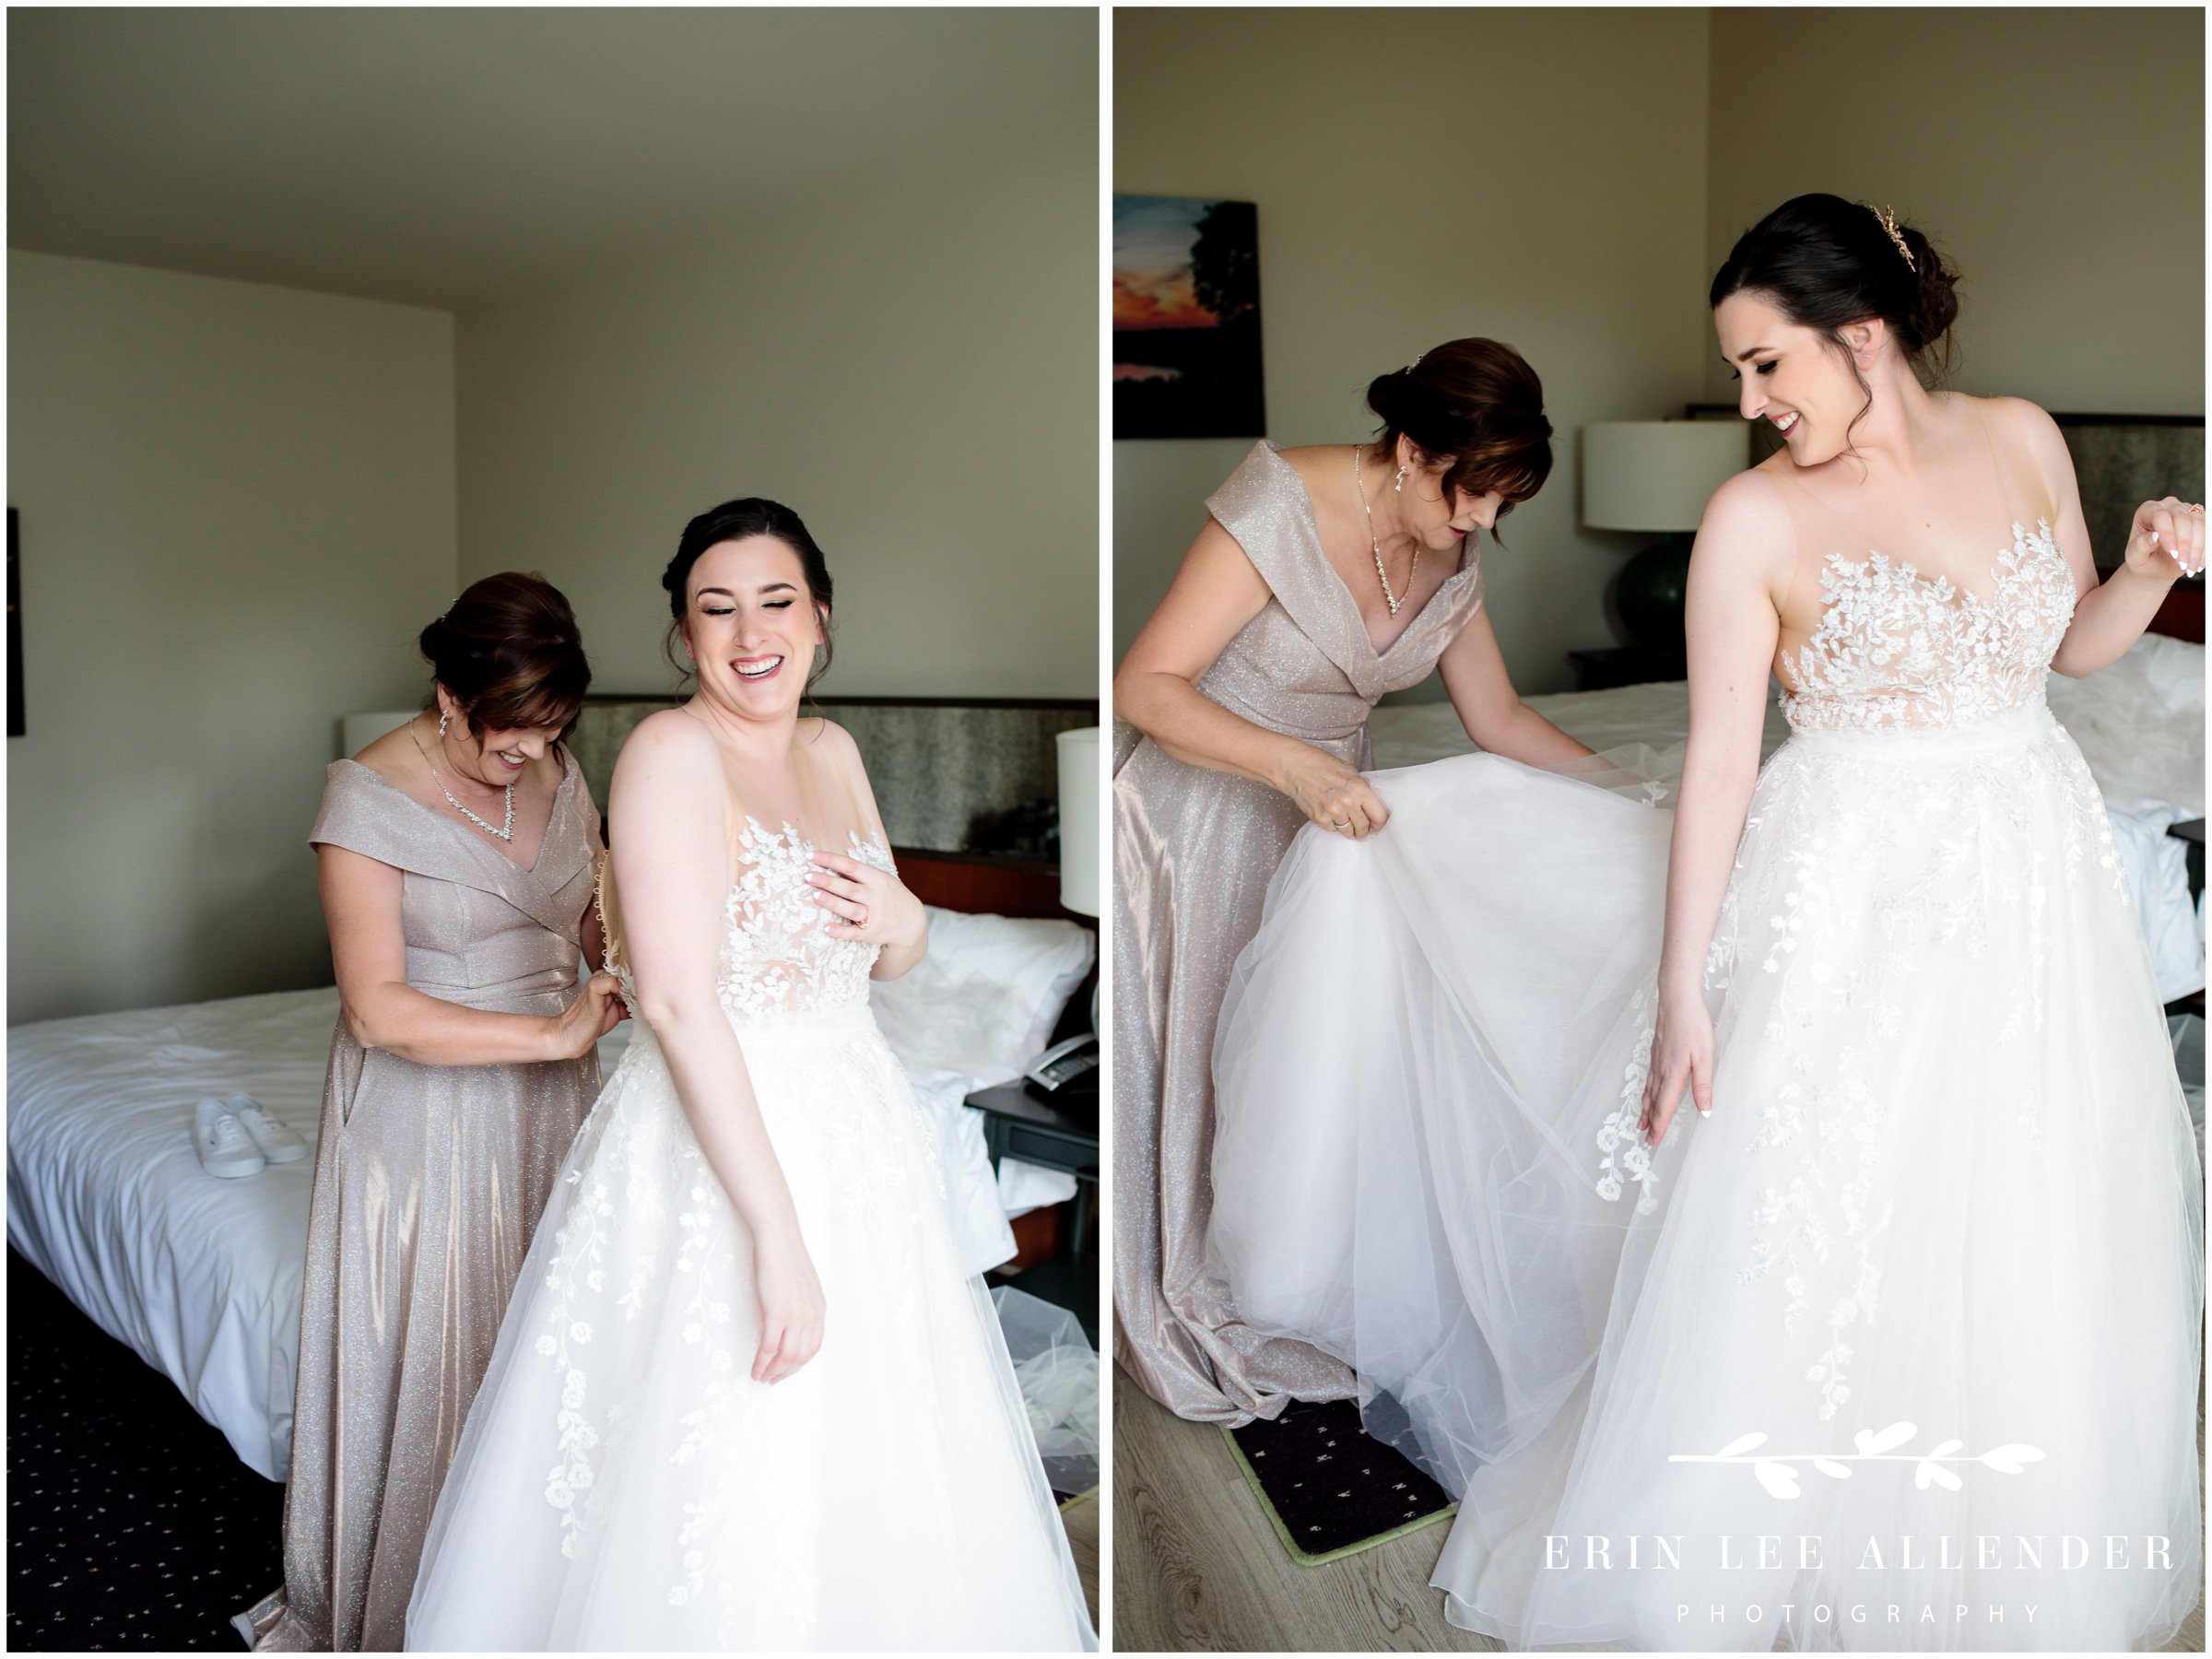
[[1477, 405], [1825, 262], [509, 649], [735, 521]]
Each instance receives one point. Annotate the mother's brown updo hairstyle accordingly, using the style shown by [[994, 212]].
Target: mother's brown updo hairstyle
[[1478, 405], [508, 651]]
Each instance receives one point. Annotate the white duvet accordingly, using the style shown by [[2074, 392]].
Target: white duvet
[[2140, 724], [201, 1277]]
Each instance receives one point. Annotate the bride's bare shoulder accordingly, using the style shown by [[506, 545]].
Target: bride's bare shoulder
[[1745, 530], [670, 752], [670, 731]]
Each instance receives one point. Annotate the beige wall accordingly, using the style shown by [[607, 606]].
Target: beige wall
[[1536, 176], [2057, 156], [1576, 200], [237, 508], [915, 372]]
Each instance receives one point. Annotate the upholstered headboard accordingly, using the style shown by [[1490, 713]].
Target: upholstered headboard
[[2119, 462], [976, 777]]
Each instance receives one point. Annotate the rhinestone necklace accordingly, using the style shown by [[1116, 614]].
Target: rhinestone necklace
[[1389, 598], [506, 834]]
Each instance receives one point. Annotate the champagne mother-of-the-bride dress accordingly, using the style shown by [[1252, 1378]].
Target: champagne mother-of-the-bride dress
[[428, 1183], [1194, 851]]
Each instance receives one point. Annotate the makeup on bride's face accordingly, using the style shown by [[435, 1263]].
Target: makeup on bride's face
[[1792, 378], [751, 626]]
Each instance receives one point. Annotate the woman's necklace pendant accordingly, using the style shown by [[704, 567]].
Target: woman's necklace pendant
[[505, 834], [1375, 544]]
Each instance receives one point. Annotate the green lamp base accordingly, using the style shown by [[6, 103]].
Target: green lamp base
[[1650, 592]]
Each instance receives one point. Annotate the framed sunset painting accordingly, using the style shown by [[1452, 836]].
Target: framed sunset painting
[[1186, 319]]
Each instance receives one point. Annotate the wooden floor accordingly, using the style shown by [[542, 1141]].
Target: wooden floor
[[1080, 1518], [1197, 1568]]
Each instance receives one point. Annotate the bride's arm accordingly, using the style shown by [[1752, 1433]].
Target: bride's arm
[[1738, 577], [1492, 711], [2164, 542], [1215, 593], [668, 811]]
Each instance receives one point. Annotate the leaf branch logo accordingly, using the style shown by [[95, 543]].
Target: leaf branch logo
[[1777, 1473]]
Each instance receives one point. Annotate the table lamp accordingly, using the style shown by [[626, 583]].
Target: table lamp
[[1080, 797], [1657, 475]]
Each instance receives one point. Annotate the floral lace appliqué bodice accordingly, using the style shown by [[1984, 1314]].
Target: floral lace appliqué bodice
[[777, 956], [1895, 648]]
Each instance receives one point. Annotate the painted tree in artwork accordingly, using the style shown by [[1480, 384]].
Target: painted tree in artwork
[[1225, 261]]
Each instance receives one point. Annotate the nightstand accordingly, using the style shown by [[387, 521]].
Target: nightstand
[[1055, 1131], [1625, 666]]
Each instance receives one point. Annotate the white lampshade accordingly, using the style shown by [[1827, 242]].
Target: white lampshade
[[1657, 475], [1080, 798], [357, 732]]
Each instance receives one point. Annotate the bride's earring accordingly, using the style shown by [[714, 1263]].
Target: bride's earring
[[1399, 488], [441, 720]]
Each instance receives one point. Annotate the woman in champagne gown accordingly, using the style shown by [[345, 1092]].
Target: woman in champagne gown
[[1895, 1343], [746, 1396], [462, 1064], [1242, 713]]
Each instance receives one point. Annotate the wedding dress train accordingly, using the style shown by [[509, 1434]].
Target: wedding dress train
[[1900, 1347]]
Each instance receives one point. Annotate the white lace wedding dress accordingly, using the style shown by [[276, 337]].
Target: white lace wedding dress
[[623, 1483], [1924, 1289]]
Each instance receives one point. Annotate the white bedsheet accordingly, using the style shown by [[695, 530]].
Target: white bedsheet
[[201, 1277], [2140, 724]]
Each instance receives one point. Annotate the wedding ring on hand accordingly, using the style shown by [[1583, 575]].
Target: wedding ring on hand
[[863, 921]]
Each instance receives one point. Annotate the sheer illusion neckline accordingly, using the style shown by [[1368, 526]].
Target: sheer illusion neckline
[[1343, 589], [793, 838], [2003, 563], [476, 838]]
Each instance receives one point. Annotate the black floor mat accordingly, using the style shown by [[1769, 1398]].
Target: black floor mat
[[130, 1523], [1330, 1488]]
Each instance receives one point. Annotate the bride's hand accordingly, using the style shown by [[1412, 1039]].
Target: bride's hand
[[1681, 1058], [1331, 793], [2167, 539], [870, 905], [791, 1309]]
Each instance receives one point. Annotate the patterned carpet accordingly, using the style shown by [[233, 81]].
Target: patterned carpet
[[131, 1523]]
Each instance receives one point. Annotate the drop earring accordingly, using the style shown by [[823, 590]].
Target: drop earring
[[1399, 488], [441, 720]]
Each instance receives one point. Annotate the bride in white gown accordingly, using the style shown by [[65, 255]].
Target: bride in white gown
[[1896, 1342], [744, 1396]]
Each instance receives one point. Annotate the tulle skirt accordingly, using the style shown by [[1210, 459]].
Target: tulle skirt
[[1898, 1349], [623, 1483]]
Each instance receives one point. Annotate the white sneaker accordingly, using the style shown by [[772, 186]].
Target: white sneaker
[[225, 1148], [277, 1142]]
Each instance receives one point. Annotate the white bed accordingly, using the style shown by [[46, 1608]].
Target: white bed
[[201, 1277], [2140, 724]]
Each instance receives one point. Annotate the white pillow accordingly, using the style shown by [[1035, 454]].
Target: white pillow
[[985, 999]]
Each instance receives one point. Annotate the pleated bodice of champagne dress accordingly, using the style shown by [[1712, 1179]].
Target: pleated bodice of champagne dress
[[624, 1483], [1900, 1347], [429, 1180], [1194, 851]]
